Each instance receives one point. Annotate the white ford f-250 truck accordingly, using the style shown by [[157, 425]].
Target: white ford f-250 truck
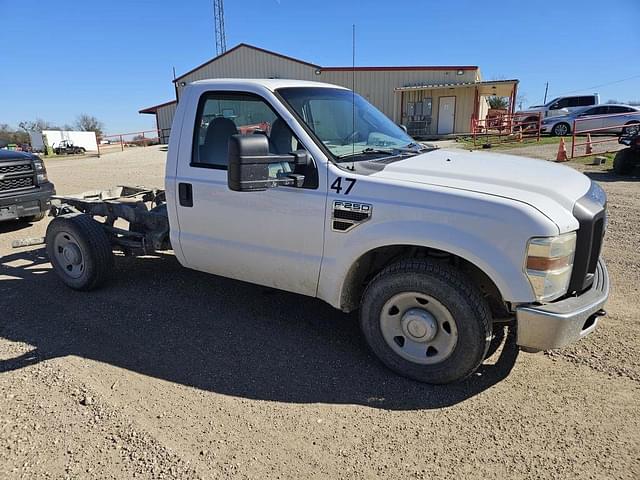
[[308, 188]]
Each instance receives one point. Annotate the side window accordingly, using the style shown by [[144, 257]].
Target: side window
[[561, 103], [617, 109], [222, 115], [586, 101]]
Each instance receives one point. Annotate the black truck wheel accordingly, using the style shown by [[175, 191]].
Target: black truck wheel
[[425, 321], [79, 251], [623, 161]]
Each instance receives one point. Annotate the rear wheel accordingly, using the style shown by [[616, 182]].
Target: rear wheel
[[632, 129], [425, 321], [560, 129], [623, 162], [79, 251]]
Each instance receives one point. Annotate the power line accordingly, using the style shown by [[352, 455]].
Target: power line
[[598, 86]]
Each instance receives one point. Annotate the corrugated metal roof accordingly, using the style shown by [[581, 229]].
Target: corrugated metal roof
[[156, 107], [329, 69]]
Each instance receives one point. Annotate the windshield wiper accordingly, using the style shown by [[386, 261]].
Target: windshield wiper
[[367, 151]]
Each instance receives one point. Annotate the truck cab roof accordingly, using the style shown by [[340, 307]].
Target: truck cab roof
[[272, 84]]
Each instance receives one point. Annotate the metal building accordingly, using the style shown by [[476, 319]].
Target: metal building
[[430, 100]]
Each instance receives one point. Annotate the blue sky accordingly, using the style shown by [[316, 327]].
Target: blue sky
[[109, 59]]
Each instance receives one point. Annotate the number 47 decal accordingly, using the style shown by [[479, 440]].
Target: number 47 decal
[[337, 185]]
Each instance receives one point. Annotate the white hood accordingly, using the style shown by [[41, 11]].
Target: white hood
[[539, 183]]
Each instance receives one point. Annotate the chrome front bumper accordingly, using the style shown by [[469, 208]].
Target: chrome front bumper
[[555, 325]]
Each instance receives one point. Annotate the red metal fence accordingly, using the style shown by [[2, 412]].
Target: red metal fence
[[505, 128], [120, 141], [616, 124]]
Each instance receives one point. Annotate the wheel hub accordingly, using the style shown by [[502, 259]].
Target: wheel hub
[[72, 254], [419, 325]]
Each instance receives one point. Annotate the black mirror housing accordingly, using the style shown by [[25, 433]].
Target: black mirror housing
[[249, 161]]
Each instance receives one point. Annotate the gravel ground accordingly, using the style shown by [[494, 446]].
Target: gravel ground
[[169, 373]]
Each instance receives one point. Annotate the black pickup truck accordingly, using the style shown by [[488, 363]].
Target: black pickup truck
[[25, 191]]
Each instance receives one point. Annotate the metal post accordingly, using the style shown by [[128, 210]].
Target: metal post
[[121, 143], [573, 139], [144, 141]]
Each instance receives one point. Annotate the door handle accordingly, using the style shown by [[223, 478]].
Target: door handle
[[185, 194]]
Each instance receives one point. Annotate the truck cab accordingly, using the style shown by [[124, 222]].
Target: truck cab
[[308, 188]]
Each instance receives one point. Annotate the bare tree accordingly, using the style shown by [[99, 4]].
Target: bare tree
[[11, 135], [522, 100], [37, 125], [89, 123]]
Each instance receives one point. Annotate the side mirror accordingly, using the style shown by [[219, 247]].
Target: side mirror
[[249, 161], [403, 127]]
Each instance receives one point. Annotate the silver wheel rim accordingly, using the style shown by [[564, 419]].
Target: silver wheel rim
[[68, 254], [418, 328], [561, 130]]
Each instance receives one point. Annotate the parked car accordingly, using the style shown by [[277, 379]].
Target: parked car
[[25, 191], [558, 106], [610, 118], [628, 158], [435, 248], [68, 147]]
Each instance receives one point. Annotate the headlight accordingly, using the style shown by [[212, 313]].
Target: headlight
[[41, 171], [549, 265]]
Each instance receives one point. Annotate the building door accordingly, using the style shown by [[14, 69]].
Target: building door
[[446, 115]]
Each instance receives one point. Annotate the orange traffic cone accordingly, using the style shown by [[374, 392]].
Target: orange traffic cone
[[562, 152], [589, 146]]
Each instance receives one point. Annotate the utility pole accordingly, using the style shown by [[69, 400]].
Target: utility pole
[[546, 89], [218, 25]]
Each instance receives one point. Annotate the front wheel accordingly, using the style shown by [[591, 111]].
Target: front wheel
[[425, 321], [632, 129], [79, 251]]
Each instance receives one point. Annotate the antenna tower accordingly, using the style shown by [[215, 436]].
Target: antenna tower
[[218, 23]]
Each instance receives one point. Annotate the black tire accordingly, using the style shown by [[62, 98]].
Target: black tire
[[623, 162], [91, 242], [452, 290], [35, 218], [561, 129]]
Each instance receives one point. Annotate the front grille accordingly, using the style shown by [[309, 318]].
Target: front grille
[[15, 183], [591, 217], [25, 167]]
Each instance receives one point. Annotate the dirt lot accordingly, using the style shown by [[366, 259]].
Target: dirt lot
[[169, 373]]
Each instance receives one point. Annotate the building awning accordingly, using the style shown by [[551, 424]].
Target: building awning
[[500, 88]]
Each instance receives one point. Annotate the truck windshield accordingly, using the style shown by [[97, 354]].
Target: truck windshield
[[347, 124]]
